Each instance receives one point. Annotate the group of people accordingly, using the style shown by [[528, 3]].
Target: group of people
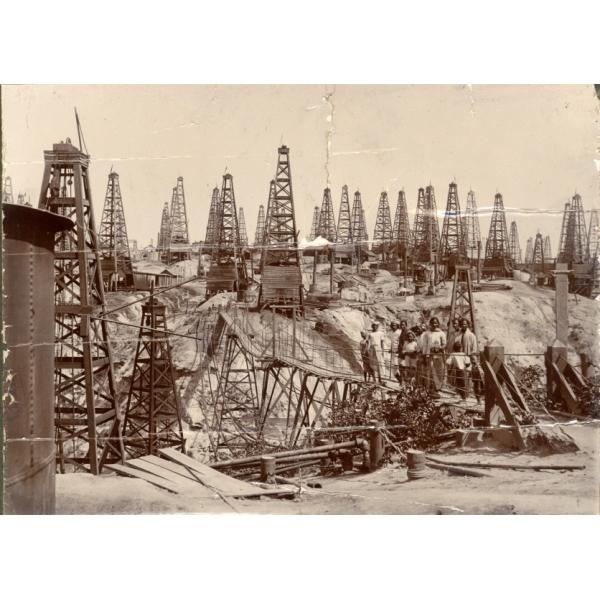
[[424, 354]]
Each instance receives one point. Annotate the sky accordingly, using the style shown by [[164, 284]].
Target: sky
[[536, 145]]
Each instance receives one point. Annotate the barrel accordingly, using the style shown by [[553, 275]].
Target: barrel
[[28, 399], [415, 460]]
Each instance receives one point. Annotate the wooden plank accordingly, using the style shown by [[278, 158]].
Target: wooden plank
[[136, 473], [566, 392], [501, 401], [227, 486], [173, 467], [513, 387], [195, 487]]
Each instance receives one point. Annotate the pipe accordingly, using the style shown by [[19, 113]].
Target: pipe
[[357, 443]]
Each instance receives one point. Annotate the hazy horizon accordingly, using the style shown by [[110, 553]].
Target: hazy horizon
[[534, 144]]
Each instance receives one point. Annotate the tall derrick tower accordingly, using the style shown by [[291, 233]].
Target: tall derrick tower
[[382, 235], [117, 269], [88, 432], [497, 254], [213, 213], [153, 412], [164, 233], [179, 243], [401, 230], [359, 230], [573, 249], [471, 220], [547, 249], [426, 231], [344, 225], [593, 235], [327, 227], [7, 191], [227, 271], [314, 227], [281, 277], [514, 246], [537, 256], [242, 227], [453, 247], [345, 251], [259, 233], [563, 231]]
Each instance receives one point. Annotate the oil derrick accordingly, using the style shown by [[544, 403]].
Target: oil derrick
[[426, 232], [227, 271], [179, 242], [281, 277], [88, 431], [344, 225], [359, 230], [153, 412], [314, 228], [461, 305], [547, 249], [382, 235], [573, 248], [471, 220], [164, 235], [537, 257], [593, 236], [327, 228], [242, 227], [7, 191], [209, 238], [497, 255], [514, 245], [117, 269], [563, 231], [260, 227], [528, 252], [236, 397], [401, 229], [453, 249]]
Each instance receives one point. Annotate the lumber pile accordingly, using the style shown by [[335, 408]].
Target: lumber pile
[[180, 474]]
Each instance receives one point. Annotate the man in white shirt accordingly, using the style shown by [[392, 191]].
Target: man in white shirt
[[434, 344], [395, 350], [376, 347]]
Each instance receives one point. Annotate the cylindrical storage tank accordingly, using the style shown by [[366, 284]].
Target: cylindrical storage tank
[[28, 402]]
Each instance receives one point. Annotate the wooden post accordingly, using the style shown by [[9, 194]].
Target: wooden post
[[294, 332], [273, 331], [331, 260], [587, 368], [557, 379], [561, 302], [314, 273], [494, 355], [478, 261], [376, 445]]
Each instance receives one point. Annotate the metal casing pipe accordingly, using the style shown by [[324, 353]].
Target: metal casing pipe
[[28, 398]]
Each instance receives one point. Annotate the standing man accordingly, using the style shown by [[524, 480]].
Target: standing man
[[434, 344], [395, 350], [453, 335], [364, 354], [468, 342], [376, 351]]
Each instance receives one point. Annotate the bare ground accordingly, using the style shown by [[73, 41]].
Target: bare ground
[[386, 491]]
